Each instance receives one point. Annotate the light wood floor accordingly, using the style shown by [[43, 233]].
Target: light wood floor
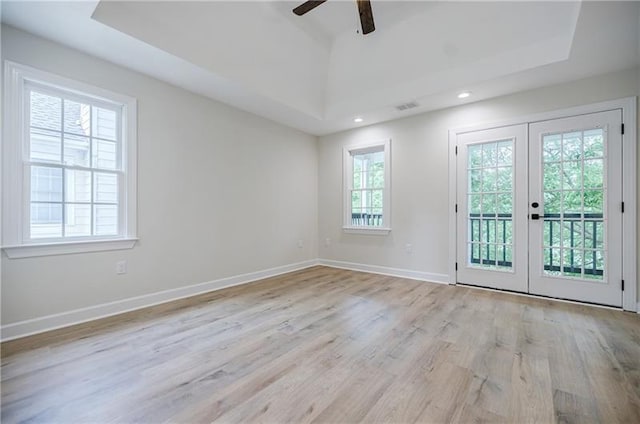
[[327, 345]]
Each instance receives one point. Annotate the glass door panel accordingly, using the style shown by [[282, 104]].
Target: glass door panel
[[572, 252], [491, 252]]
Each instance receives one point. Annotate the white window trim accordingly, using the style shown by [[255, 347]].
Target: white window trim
[[14, 242], [347, 184]]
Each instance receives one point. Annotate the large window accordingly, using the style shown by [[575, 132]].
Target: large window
[[367, 188], [69, 165]]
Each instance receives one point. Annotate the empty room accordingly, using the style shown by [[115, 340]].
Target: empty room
[[342, 211]]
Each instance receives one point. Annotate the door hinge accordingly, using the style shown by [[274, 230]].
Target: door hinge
[[456, 150], [622, 129], [622, 285], [456, 208], [622, 208], [456, 266]]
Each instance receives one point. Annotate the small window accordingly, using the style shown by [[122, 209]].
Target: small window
[[367, 188], [71, 155]]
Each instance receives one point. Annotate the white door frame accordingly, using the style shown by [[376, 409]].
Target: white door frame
[[629, 184]]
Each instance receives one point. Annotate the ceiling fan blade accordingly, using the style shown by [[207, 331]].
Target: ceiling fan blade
[[366, 16], [307, 6]]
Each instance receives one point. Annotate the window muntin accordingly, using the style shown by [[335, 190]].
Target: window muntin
[[73, 150], [367, 175]]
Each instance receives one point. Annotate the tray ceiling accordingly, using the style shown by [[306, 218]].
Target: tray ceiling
[[316, 72]]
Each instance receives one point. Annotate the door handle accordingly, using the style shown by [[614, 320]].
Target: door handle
[[535, 216]]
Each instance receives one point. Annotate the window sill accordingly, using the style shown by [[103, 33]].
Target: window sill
[[66, 248], [367, 230]]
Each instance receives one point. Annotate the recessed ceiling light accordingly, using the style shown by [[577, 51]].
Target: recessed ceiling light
[[358, 120], [464, 94]]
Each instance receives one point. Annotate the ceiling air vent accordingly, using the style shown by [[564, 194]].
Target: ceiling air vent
[[406, 106]]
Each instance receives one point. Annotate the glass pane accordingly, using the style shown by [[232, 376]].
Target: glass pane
[[489, 178], [594, 173], [357, 163], [551, 148], [489, 154], [77, 220], [357, 180], [475, 202], [572, 265], [475, 156], [105, 219], [490, 230], [489, 205], [593, 144], [104, 154], [46, 184], [77, 186], [76, 150], [504, 179], [572, 202], [378, 179], [105, 188], [572, 175], [572, 146], [552, 202], [46, 220], [599, 241], [45, 146], [552, 234], [45, 111], [377, 158], [377, 199], [474, 225], [552, 176], [104, 123], [505, 153], [572, 233], [593, 202], [505, 231], [77, 118], [356, 200], [552, 261], [475, 180], [505, 203]]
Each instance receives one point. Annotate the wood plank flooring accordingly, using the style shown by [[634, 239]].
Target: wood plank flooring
[[328, 345]]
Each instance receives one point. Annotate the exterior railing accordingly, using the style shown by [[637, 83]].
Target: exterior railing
[[591, 220], [366, 219]]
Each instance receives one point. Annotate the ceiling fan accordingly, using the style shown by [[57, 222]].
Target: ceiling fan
[[364, 8]]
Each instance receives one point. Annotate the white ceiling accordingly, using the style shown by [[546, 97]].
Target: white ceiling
[[316, 72]]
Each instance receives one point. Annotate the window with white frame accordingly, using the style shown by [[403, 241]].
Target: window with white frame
[[69, 165], [367, 185]]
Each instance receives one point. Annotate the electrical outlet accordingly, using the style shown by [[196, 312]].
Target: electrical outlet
[[408, 248], [300, 243], [327, 242], [121, 267]]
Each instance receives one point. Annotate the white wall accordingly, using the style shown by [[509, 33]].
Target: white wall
[[221, 193], [419, 156]]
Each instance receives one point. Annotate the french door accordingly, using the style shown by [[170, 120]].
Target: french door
[[539, 208]]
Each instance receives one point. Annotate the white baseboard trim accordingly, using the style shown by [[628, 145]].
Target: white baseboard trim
[[78, 316], [394, 272]]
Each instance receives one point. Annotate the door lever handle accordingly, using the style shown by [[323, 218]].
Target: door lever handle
[[535, 216]]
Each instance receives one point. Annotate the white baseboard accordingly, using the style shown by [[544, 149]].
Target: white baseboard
[[78, 316], [395, 272]]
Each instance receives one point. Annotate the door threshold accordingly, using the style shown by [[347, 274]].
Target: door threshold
[[539, 296]]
